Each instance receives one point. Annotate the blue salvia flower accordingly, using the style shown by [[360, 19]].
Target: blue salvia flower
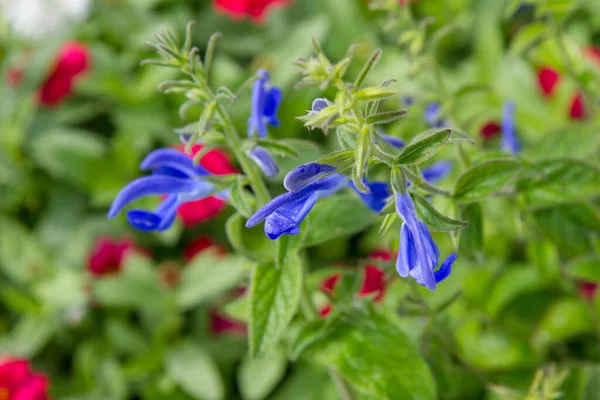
[[317, 105], [306, 174], [378, 194], [285, 213], [510, 142], [432, 116], [419, 255], [407, 100], [264, 106], [263, 159], [437, 171], [174, 175]]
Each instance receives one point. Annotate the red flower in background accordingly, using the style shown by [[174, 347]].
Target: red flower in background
[[107, 256], [18, 382], [254, 9], [588, 290], [549, 78], [374, 281], [489, 130], [72, 61], [216, 162], [200, 244]]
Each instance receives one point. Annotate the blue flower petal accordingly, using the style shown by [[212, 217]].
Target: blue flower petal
[[407, 258], [263, 159], [167, 210], [272, 102], [169, 158], [143, 220], [287, 219], [445, 268], [393, 140], [304, 175], [510, 142], [437, 171], [150, 185], [377, 196], [318, 104], [432, 116]]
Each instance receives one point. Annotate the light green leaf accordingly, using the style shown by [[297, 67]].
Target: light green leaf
[[277, 147], [435, 220], [585, 269], [274, 298], [208, 275], [484, 179], [251, 242], [29, 335], [195, 371], [527, 37], [424, 148], [565, 319], [257, 377]]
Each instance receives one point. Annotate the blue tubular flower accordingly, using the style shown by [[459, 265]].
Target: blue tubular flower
[[285, 213], [419, 255], [377, 196], [437, 171], [174, 175], [305, 175], [265, 102], [510, 142], [432, 116], [263, 159]]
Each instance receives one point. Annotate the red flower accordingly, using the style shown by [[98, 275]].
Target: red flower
[[220, 325], [588, 290], [577, 110], [200, 244], [239, 9], [374, 281], [18, 382], [489, 130], [548, 78], [72, 61], [14, 77], [216, 162], [107, 256]]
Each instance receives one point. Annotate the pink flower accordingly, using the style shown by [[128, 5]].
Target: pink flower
[[18, 382], [194, 212], [220, 325], [374, 281], [107, 256], [72, 61], [200, 244], [254, 9], [489, 130]]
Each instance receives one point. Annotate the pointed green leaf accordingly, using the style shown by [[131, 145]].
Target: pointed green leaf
[[424, 149], [435, 220], [484, 179], [277, 147]]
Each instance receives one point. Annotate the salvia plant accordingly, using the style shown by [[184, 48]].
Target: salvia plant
[[434, 233]]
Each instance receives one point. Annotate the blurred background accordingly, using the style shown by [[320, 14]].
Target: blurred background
[[92, 309]]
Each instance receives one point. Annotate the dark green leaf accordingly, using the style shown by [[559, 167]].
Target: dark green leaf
[[565, 319], [424, 149], [335, 217], [471, 238], [484, 179], [372, 353], [274, 298], [398, 180], [434, 219], [386, 117]]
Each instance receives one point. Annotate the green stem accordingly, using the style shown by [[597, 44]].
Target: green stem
[[235, 144]]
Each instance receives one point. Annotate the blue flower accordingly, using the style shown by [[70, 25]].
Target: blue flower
[[306, 174], [265, 102], [419, 255], [432, 116], [285, 213], [318, 104], [510, 142], [263, 159], [377, 196], [174, 175], [407, 100], [437, 171]]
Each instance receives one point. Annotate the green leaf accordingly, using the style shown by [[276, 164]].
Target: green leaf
[[511, 284], [565, 319], [484, 179], [251, 242], [386, 117], [375, 93], [337, 216], [308, 334], [29, 335], [339, 159], [459, 136], [208, 275], [274, 298], [470, 88], [424, 149], [433, 218], [241, 199], [277, 147], [258, 377], [374, 355], [585, 269], [471, 238], [72, 155], [195, 371], [527, 37]]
